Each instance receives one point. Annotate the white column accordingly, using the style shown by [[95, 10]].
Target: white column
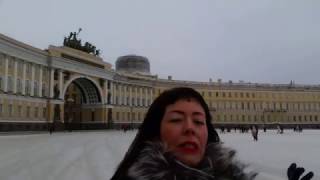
[[141, 96], [120, 94], [130, 95], [60, 83], [136, 94], [105, 87], [15, 76], [6, 61], [146, 101], [125, 94], [51, 83], [24, 78], [40, 81], [32, 80], [151, 96], [147, 96], [111, 92]]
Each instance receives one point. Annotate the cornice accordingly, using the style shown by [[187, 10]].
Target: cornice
[[22, 51]]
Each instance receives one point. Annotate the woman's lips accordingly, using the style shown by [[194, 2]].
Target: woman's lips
[[188, 147]]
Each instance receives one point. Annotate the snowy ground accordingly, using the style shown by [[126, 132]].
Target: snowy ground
[[95, 155]]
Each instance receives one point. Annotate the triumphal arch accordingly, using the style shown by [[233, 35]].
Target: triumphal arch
[[67, 86]]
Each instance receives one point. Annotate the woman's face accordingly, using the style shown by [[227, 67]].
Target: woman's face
[[184, 131]]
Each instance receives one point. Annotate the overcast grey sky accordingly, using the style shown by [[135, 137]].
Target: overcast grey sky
[[265, 41]]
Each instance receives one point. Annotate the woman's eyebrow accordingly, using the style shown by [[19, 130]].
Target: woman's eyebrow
[[177, 111], [182, 113], [198, 113]]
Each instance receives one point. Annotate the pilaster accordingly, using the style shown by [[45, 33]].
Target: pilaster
[[60, 83], [40, 81], [32, 79], [6, 64], [15, 76], [24, 69], [51, 84]]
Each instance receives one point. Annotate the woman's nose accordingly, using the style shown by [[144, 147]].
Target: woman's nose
[[189, 126]]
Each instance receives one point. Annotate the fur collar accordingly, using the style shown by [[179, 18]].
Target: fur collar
[[154, 163]]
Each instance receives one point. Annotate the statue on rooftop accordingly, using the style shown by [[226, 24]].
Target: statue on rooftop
[[72, 41]]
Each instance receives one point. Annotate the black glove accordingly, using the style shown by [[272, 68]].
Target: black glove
[[295, 172]]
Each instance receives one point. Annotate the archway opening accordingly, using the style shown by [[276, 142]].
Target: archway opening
[[82, 98]]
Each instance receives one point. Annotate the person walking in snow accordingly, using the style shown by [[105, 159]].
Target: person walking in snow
[[254, 132]]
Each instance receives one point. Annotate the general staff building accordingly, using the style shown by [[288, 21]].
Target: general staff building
[[64, 86]]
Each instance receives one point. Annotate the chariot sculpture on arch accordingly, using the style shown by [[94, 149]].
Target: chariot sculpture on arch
[[74, 42]]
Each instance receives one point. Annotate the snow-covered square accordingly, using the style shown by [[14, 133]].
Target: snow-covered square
[[95, 154]]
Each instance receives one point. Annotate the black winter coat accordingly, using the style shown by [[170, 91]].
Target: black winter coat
[[153, 163]]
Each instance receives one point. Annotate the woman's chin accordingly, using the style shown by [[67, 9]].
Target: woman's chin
[[190, 161]]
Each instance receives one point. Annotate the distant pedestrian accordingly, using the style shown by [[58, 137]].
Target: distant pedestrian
[[51, 128], [264, 128], [254, 132], [279, 129]]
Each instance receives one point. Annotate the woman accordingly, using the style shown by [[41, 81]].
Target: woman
[[177, 141]]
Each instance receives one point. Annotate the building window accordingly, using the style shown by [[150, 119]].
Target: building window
[[44, 112], [10, 84], [1, 84], [1, 109], [44, 90], [29, 65], [133, 116], [1, 60], [117, 116], [27, 87], [20, 111], [36, 112], [35, 88], [218, 117], [11, 63], [138, 115], [28, 112], [19, 86], [20, 67], [10, 110]]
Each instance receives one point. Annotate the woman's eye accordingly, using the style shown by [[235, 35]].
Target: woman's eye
[[199, 122], [175, 120]]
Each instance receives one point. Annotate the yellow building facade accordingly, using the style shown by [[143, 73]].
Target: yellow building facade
[[69, 88]]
